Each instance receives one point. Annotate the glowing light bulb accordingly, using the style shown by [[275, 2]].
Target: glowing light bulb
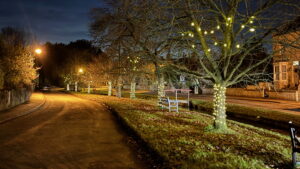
[[205, 32], [193, 46], [242, 26], [251, 21], [192, 24], [212, 31], [238, 46], [218, 27], [216, 43], [251, 29], [229, 18], [38, 51], [225, 45], [182, 34], [208, 49], [199, 29]]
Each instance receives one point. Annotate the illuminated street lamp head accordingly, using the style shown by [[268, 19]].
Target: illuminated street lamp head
[[80, 70], [38, 51]]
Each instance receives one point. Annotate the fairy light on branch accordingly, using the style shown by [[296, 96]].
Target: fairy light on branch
[[192, 24], [191, 34], [252, 29]]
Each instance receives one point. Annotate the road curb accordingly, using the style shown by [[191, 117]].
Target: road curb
[[26, 112]]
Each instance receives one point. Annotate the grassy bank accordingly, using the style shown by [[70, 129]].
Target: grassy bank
[[256, 114], [180, 138]]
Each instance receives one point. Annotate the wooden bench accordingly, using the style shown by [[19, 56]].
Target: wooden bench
[[295, 144], [166, 102]]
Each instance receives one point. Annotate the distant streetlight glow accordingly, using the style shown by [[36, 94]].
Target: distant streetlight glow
[[80, 70], [38, 51]]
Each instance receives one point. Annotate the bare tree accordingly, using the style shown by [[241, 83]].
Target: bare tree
[[134, 26], [223, 34]]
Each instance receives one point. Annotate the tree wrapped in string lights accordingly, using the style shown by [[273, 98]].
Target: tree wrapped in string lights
[[223, 34]]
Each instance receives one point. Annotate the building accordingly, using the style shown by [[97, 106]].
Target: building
[[286, 60]]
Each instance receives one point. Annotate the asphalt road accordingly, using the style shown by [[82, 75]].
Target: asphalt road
[[67, 132]]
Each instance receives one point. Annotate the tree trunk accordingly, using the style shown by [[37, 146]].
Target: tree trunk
[[89, 88], [219, 107], [119, 90], [68, 87], [76, 86], [132, 89], [161, 87], [109, 88], [196, 90]]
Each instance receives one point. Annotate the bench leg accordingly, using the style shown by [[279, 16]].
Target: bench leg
[[294, 159]]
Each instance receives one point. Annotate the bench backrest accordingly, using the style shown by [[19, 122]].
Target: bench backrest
[[293, 134], [164, 99]]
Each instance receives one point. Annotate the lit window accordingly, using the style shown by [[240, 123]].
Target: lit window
[[276, 72], [283, 68]]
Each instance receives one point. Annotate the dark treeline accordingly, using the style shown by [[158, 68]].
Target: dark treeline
[[60, 59]]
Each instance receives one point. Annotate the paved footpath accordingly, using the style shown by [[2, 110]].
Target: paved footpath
[[37, 100], [291, 107], [67, 132]]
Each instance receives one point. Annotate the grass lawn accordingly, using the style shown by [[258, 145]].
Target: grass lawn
[[182, 142]]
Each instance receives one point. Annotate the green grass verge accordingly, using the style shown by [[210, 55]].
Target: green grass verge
[[274, 117], [180, 138]]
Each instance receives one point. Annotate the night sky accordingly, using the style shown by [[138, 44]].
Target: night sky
[[49, 20]]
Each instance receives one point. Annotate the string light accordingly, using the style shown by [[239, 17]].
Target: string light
[[216, 43], [238, 46], [251, 29], [199, 29], [193, 46], [182, 34], [192, 24], [208, 50], [225, 45], [229, 18], [212, 31], [251, 21], [218, 27], [252, 17], [242, 26], [205, 32]]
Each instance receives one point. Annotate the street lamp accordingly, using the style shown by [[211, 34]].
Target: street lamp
[[80, 71], [38, 51]]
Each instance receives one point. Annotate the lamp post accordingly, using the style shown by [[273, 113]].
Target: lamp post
[[80, 71], [38, 52]]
